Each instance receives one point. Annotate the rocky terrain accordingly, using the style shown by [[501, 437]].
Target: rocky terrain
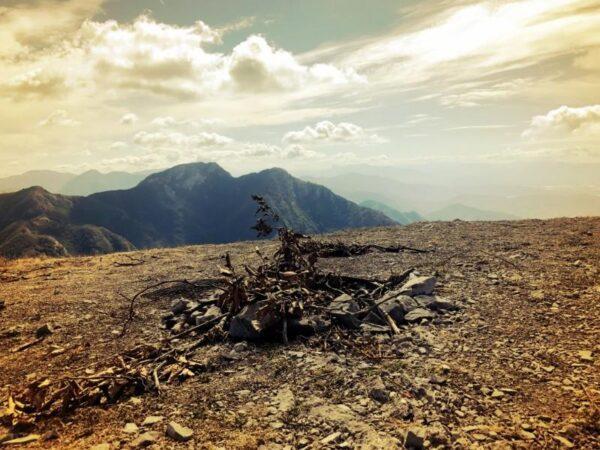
[[515, 365]]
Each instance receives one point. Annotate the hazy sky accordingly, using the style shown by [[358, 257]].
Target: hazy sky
[[139, 84]]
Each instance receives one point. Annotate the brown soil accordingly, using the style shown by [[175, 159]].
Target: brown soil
[[504, 372]]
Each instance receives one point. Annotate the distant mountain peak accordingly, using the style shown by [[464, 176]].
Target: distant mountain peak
[[187, 176], [275, 171], [34, 190]]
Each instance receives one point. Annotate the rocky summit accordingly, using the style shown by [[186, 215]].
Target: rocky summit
[[486, 337]]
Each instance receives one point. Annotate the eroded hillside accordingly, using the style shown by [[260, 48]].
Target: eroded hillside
[[515, 367]]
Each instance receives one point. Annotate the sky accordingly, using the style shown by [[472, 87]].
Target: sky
[[145, 84]]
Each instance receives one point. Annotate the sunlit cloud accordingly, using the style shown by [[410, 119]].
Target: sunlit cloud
[[59, 118], [171, 122], [493, 65], [328, 132], [34, 84], [30, 26], [175, 139], [566, 122], [171, 60], [129, 119], [474, 41]]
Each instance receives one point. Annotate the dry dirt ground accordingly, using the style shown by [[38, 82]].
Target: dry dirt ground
[[518, 366]]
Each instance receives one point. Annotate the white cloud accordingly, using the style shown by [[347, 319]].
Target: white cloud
[[241, 24], [171, 122], [165, 122], [299, 152], [566, 122], [59, 118], [485, 94], [178, 140], [28, 26], [328, 132], [257, 150], [118, 145], [254, 65], [34, 84], [260, 150], [172, 60], [129, 119], [440, 45]]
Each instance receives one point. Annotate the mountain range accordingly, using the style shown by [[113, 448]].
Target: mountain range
[[188, 204], [434, 201], [403, 218], [66, 183]]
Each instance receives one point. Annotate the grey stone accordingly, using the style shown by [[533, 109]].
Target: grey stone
[[252, 321], [435, 303], [285, 400], [179, 432], [170, 321], [346, 319], [341, 311], [145, 439], [130, 428], [44, 330], [343, 298], [177, 327], [397, 307], [378, 391], [191, 305], [425, 301], [179, 306], [344, 303], [193, 318], [416, 315], [374, 328], [240, 347], [211, 313], [418, 286], [151, 420], [331, 438], [442, 304], [308, 325], [415, 438]]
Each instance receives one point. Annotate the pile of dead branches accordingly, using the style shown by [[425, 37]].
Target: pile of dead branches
[[287, 294]]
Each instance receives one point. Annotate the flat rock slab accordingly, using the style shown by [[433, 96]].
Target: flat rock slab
[[152, 420], [416, 315], [419, 286], [285, 400], [145, 439], [130, 428], [179, 432]]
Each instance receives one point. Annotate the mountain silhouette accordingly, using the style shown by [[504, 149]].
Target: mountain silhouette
[[35, 222], [402, 217], [188, 204], [65, 183]]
